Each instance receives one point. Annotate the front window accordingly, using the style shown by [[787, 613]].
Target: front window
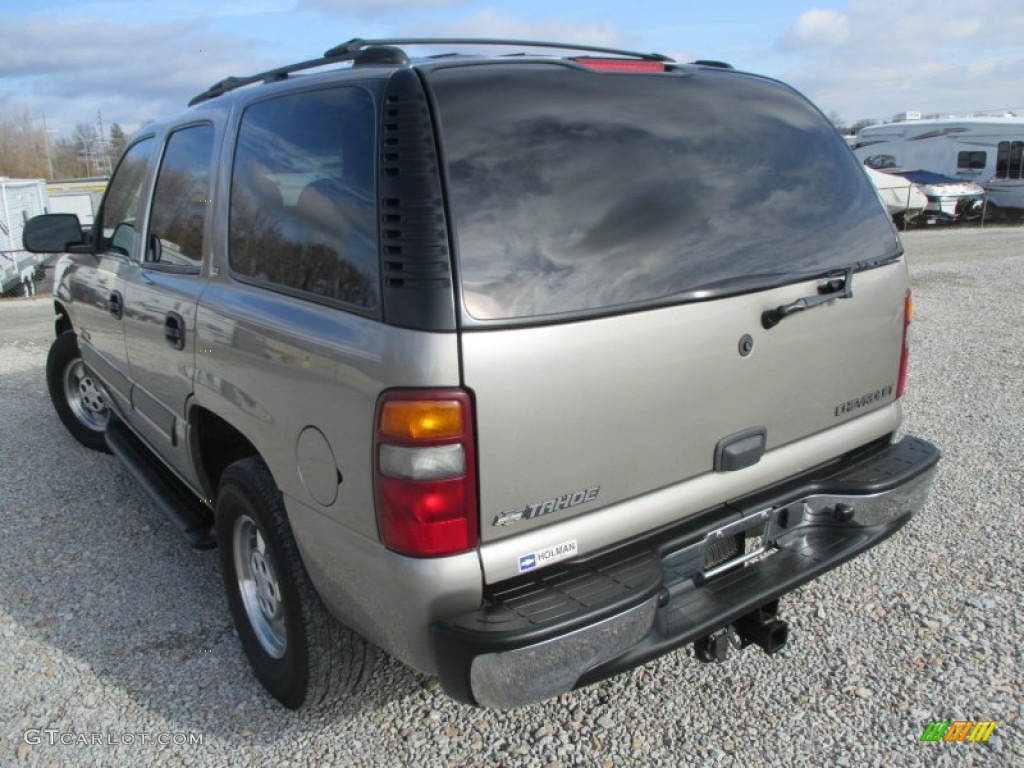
[[118, 217]]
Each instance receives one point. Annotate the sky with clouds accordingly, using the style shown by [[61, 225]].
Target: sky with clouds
[[139, 59]]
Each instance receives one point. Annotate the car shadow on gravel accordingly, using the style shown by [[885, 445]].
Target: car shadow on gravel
[[114, 612]]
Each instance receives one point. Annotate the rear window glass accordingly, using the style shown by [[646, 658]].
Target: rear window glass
[[303, 207], [576, 192]]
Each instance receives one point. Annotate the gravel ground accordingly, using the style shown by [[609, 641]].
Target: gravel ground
[[111, 625]]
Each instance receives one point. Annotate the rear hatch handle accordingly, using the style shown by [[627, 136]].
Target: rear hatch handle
[[835, 287]]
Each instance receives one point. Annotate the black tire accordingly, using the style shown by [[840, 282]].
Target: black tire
[[80, 401], [300, 653]]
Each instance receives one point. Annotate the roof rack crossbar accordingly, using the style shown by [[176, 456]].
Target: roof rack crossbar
[[351, 49], [357, 43]]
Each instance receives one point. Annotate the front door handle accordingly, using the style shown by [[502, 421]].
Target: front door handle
[[115, 304], [174, 330]]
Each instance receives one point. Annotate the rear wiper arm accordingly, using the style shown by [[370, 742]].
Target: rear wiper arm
[[837, 287]]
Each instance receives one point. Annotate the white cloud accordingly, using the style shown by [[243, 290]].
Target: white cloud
[[493, 23], [819, 27], [71, 68], [874, 58], [377, 7]]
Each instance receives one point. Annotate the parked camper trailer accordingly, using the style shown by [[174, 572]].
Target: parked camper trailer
[[78, 196], [988, 151], [20, 200]]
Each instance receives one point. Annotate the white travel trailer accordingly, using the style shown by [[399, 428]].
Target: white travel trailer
[[20, 200], [985, 150]]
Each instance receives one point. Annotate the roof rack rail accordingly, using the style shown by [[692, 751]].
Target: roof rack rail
[[357, 43], [351, 50], [280, 73]]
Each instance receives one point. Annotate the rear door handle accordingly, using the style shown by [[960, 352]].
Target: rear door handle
[[174, 330], [115, 304]]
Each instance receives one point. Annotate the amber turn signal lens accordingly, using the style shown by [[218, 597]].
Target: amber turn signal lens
[[421, 419]]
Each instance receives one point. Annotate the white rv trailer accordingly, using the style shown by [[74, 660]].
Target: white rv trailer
[[20, 200], [985, 150]]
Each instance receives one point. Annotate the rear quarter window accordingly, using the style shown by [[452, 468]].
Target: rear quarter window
[[303, 208], [575, 192]]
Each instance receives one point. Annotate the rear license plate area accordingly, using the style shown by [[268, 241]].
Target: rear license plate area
[[738, 544]]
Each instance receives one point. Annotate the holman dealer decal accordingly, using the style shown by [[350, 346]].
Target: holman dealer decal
[[548, 555]]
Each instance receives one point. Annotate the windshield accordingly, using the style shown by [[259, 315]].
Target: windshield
[[576, 192]]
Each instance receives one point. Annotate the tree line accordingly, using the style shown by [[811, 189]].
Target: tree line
[[848, 129], [29, 151]]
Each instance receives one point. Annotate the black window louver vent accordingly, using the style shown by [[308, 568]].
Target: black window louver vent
[[415, 255]]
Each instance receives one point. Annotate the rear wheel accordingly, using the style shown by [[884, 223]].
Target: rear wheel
[[300, 653], [78, 398]]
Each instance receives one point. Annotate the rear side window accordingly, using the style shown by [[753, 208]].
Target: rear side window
[[303, 211], [182, 199], [972, 159], [1010, 160], [578, 192]]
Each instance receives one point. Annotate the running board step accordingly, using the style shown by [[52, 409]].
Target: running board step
[[171, 495]]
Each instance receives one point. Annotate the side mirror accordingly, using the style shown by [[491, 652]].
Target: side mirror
[[52, 233]]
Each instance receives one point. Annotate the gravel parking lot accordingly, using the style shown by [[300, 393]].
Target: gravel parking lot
[[116, 647]]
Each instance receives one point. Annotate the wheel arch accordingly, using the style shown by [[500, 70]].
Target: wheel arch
[[215, 444], [62, 323]]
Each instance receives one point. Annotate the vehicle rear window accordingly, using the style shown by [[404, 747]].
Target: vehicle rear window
[[577, 192]]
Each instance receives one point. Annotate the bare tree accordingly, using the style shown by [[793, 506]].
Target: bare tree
[[22, 151], [66, 161], [856, 127], [118, 140], [28, 151], [837, 121]]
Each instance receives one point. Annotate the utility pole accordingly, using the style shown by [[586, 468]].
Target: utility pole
[[46, 142], [104, 145]]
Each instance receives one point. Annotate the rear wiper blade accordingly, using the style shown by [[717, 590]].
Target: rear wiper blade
[[838, 286], [731, 286]]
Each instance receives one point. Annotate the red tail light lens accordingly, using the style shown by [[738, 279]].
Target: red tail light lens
[[908, 311], [425, 472]]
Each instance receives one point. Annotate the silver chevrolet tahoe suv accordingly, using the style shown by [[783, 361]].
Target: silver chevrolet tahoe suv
[[526, 369]]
